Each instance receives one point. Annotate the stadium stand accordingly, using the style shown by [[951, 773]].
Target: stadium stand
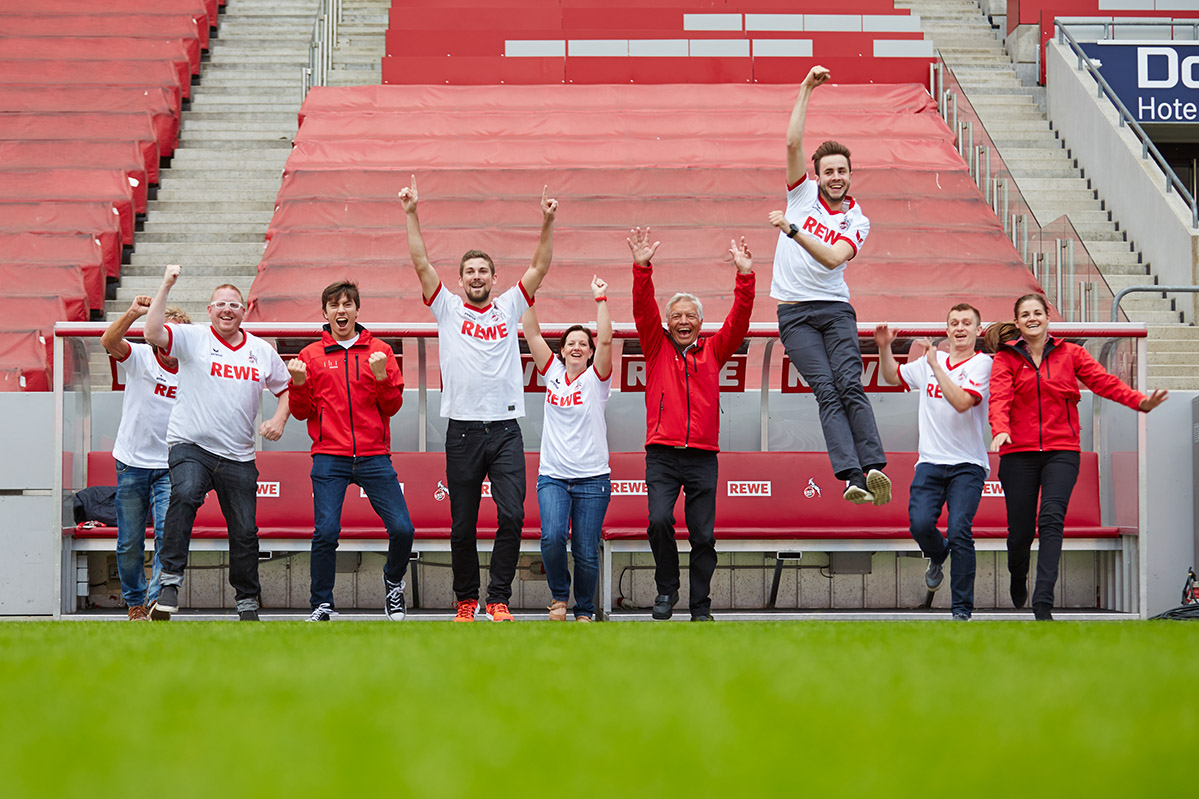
[[90, 101], [666, 156]]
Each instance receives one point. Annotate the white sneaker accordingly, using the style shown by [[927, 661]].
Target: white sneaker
[[879, 485], [858, 495]]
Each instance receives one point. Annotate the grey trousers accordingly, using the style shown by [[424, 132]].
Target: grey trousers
[[821, 339]]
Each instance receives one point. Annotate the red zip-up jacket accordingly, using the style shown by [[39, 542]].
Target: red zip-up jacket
[[682, 389], [1038, 407], [348, 411]]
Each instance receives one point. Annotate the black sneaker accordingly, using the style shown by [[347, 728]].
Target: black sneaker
[[166, 603], [961, 615], [248, 615], [1019, 590], [934, 575], [1041, 612], [664, 606], [702, 617], [323, 612], [394, 604]]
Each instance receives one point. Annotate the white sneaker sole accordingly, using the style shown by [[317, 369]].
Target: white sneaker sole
[[859, 496], [879, 485]]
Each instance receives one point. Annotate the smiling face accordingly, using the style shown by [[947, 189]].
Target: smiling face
[[1032, 320], [342, 315], [225, 311], [576, 351], [683, 322], [963, 329], [833, 178], [476, 278]]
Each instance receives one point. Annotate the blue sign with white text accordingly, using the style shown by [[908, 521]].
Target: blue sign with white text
[[1156, 81]]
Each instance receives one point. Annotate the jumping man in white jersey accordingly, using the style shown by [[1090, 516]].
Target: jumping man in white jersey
[[953, 463], [821, 230], [482, 396], [222, 373]]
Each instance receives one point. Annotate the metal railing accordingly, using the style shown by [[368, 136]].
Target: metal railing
[[320, 50], [1148, 150], [1055, 253], [1151, 289]]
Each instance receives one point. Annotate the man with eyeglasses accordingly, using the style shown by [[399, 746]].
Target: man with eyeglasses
[[682, 416], [222, 373]]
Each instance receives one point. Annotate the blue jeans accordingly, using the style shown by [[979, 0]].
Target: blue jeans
[[374, 474], [139, 490], [195, 470], [959, 488], [576, 507]]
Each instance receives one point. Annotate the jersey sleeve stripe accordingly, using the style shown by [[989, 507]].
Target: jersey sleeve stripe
[[850, 242], [170, 340], [528, 297], [795, 185], [429, 300]]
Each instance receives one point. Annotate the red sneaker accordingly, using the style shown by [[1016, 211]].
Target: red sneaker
[[466, 609], [498, 611]]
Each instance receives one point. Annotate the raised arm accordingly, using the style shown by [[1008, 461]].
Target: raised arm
[[796, 167], [542, 354], [884, 336], [603, 333], [545, 246], [416, 243], [156, 316], [646, 314], [113, 339], [726, 340]]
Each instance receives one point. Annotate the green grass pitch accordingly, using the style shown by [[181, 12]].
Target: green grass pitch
[[213, 709]]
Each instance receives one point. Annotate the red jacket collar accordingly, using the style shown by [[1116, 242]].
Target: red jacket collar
[[331, 344]]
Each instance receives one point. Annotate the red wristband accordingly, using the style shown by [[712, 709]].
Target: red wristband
[[601, 298]]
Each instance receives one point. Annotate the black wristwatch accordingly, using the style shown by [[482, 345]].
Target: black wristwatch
[[791, 233]]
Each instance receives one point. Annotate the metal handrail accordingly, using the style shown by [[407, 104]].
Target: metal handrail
[[1126, 118], [320, 49], [1152, 289]]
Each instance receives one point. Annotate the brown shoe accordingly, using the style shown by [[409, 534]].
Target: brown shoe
[[557, 610], [138, 613], [583, 618]]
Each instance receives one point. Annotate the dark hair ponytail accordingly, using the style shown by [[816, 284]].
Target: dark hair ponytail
[[998, 333]]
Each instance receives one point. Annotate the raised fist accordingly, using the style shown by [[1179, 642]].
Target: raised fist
[[299, 372], [378, 365]]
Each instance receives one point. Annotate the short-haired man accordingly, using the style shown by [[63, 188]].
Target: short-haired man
[[821, 230], [140, 451], [953, 463], [482, 396], [223, 371], [348, 386], [682, 404]]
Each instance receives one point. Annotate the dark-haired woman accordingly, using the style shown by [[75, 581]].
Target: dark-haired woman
[[574, 482], [1034, 421]]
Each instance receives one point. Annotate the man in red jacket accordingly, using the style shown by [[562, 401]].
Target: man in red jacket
[[348, 386], [682, 402]]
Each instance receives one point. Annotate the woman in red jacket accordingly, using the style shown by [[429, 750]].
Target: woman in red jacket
[[1034, 421]]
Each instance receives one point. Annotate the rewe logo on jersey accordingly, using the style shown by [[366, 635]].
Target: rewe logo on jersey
[[231, 372], [820, 231], [484, 332], [164, 391]]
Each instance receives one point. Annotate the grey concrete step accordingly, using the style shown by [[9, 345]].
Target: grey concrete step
[[198, 232], [195, 207], [217, 184], [184, 289], [156, 270]]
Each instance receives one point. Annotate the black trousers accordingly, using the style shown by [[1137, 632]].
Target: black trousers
[[1027, 476], [667, 470], [474, 450]]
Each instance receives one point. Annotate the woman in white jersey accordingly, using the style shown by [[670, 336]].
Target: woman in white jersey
[[573, 481]]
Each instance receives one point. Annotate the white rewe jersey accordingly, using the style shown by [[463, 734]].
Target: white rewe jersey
[[946, 436], [798, 277], [574, 436], [481, 378], [220, 389], [150, 390]]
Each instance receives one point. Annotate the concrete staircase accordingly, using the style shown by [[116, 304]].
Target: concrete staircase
[[215, 200], [1050, 179], [361, 43]]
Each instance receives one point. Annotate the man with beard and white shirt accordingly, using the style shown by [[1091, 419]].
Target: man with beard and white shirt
[[822, 229], [223, 371], [953, 464], [482, 396]]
